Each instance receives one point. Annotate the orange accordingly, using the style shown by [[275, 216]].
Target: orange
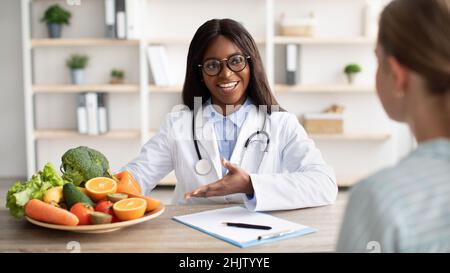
[[151, 202], [99, 187], [127, 183], [129, 209]]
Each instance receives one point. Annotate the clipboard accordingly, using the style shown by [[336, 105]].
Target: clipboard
[[211, 223]]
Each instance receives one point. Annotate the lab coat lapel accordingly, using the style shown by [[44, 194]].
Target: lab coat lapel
[[208, 144], [252, 123]]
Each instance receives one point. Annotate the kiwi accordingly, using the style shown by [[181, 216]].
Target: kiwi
[[98, 218], [116, 197]]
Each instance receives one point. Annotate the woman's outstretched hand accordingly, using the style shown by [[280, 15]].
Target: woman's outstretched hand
[[235, 181]]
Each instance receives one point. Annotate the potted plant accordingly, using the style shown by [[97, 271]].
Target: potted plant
[[77, 64], [117, 76], [55, 16], [351, 70]]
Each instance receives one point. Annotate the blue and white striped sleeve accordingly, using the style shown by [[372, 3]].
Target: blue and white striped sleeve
[[365, 227]]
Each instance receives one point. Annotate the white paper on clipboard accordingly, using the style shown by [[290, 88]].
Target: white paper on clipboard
[[211, 222]]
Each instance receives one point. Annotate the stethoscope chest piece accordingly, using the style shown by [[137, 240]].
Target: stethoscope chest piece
[[203, 167]]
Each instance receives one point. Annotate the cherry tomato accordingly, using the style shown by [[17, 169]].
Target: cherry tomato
[[106, 207], [82, 211]]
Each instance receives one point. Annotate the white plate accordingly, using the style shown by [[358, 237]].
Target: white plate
[[104, 227]]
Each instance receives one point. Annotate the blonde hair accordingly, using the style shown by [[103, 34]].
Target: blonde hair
[[417, 34]]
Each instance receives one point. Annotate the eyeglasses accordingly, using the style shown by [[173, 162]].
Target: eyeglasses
[[213, 67]]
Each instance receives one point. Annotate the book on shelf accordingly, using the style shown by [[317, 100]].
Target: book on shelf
[[133, 12], [159, 66], [92, 113], [82, 114], [102, 113], [122, 18], [121, 22], [291, 63], [110, 19]]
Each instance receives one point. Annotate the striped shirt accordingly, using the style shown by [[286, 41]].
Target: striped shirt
[[402, 209]]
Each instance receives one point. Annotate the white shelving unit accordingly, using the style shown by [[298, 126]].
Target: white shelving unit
[[82, 42], [48, 134], [283, 40], [70, 88]]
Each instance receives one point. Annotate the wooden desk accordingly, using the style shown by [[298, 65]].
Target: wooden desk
[[166, 235]]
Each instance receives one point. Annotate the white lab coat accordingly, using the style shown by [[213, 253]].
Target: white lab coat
[[292, 174]]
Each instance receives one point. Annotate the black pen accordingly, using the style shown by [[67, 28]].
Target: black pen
[[242, 225]]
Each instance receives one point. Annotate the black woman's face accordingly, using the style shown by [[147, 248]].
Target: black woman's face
[[227, 87]]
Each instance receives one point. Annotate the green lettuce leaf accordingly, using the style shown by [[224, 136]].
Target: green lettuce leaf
[[21, 192]]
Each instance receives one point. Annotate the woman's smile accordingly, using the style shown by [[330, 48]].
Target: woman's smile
[[228, 87]]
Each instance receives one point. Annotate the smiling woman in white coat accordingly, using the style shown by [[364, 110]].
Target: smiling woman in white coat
[[232, 143]]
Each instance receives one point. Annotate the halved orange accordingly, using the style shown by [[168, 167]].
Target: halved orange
[[129, 209], [99, 187]]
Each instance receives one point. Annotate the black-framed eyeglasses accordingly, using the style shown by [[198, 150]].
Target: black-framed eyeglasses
[[213, 67]]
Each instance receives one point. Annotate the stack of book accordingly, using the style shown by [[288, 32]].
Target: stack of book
[[159, 66], [92, 113]]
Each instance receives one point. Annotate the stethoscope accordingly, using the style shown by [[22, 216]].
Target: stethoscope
[[204, 166]]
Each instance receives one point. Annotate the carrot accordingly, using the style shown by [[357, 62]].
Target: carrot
[[151, 203], [41, 211]]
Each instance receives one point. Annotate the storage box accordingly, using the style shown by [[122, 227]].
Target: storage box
[[297, 30], [323, 123], [301, 26]]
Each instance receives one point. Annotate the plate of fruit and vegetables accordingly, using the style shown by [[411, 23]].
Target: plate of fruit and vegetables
[[96, 208]]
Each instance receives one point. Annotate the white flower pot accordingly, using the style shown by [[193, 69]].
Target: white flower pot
[[351, 77], [78, 76]]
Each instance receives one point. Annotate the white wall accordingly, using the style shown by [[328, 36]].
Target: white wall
[[12, 123]]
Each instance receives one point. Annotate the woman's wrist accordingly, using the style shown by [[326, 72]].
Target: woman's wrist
[[249, 187]]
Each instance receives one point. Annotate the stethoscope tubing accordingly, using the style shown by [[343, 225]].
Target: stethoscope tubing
[[247, 142]]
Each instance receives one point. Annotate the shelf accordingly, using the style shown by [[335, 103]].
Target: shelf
[[82, 42], [72, 88], [352, 137], [165, 89], [183, 41], [168, 41], [324, 88], [186, 41], [323, 40], [308, 88], [67, 133], [126, 88]]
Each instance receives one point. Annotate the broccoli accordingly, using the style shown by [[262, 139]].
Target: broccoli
[[83, 163]]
